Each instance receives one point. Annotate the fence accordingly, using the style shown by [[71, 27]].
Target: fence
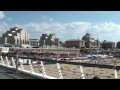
[[55, 70]]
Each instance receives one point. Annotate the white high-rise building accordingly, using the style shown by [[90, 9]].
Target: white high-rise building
[[15, 36]]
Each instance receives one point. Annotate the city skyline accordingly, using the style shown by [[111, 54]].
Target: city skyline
[[104, 25]]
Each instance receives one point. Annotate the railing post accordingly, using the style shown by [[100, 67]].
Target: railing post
[[8, 63], [21, 66], [43, 69], [59, 71], [13, 61], [31, 67], [82, 76], [17, 60], [2, 61], [116, 76]]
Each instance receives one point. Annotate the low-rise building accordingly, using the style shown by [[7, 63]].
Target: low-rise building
[[34, 42], [118, 45], [75, 43], [108, 45], [91, 42], [48, 40]]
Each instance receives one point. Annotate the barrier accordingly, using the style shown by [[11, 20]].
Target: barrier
[[59, 71], [22, 69], [7, 62], [82, 73], [13, 62], [31, 67], [21, 66], [43, 69], [2, 62], [116, 76]]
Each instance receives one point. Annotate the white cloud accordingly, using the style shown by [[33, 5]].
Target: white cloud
[[2, 15], [51, 19], [44, 17], [62, 30], [3, 27], [47, 19], [73, 30], [108, 30]]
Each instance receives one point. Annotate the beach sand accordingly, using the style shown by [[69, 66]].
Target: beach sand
[[73, 71]]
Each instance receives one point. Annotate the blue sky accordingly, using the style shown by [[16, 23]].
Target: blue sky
[[64, 16], [65, 24]]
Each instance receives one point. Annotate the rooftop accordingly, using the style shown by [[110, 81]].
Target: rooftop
[[74, 40], [108, 42], [33, 39]]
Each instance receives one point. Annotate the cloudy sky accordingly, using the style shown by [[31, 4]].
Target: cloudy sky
[[104, 25]]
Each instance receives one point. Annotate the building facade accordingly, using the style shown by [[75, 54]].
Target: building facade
[[108, 45], [34, 42], [75, 44], [48, 40], [118, 45], [15, 36], [91, 42]]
